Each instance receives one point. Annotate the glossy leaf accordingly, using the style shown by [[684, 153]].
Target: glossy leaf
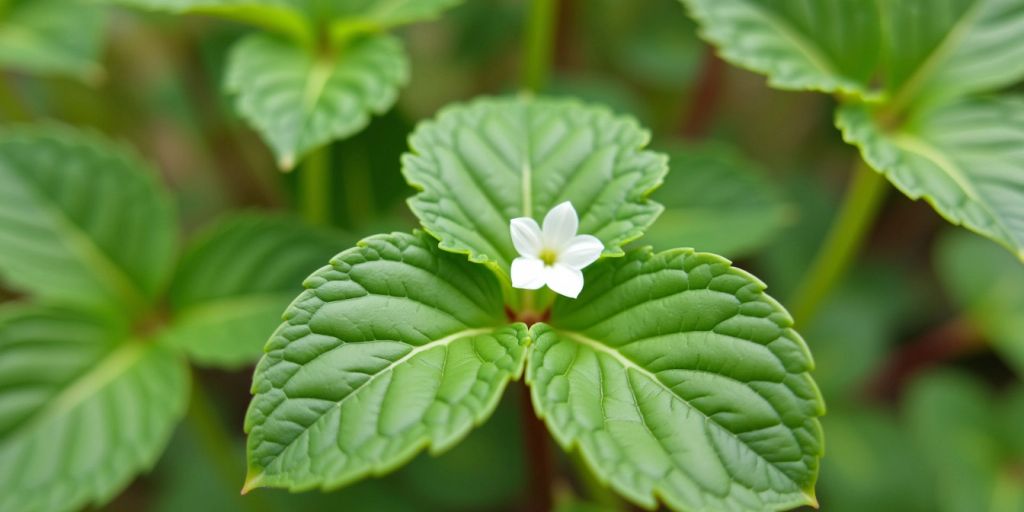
[[53, 37], [717, 201], [290, 17], [394, 347], [952, 47], [299, 101], [84, 410], [677, 377], [235, 281], [825, 45], [988, 284], [965, 158], [480, 164], [82, 220]]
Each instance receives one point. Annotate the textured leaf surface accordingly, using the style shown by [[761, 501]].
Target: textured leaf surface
[[483, 163], [299, 101], [966, 159], [951, 47], [824, 45], [988, 284], [81, 410], [81, 219], [678, 378], [394, 347], [717, 201], [59, 37], [235, 281], [290, 17]]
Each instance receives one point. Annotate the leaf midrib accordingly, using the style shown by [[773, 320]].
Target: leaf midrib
[[116, 363], [85, 246], [628, 363], [921, 147], [929, 65], [254, 479]]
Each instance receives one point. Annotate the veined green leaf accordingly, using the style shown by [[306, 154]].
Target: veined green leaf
[[678, 378], [484, 163], [355, 16], [58, 37], [824, 45], [394, 347], [236, 279], [941, 49], [988, 284], [83, 410], [299, 101], [82, 220], [289, 17], [965, 158], [717, 201]]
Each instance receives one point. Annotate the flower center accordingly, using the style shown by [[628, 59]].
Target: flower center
[[548, 256]]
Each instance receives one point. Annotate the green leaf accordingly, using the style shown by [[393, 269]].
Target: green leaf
[[939, 50], [963, 158], [678, 378], [236, 279], [825, 45], [299, 101], [951, 418], [289, 17], [374, 15], [82, 220], [988, 284], [53, 37], [83, 408], [717, 201], [394, 347], [480, 164]]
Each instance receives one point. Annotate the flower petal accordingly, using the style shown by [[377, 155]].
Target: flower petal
[[564, 280], [527, 273], [582, 250], [526, 236], [560, 225]]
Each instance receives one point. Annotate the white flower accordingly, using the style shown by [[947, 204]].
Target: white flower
[[555, 255]]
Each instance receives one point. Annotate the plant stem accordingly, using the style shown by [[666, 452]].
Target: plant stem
[[540, 472], [955, 338], [539, 37], [705, 96], [216, 442], [315, 187], [860, 207]]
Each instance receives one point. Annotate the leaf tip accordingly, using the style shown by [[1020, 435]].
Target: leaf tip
[[251, 482], [812, 500]]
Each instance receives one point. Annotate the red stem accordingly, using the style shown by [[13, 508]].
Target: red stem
[[540, 469], [706, 95]]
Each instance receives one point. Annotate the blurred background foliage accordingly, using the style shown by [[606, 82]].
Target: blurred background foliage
[[919, 351]]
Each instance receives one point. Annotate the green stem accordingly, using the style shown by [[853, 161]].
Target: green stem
[[216, 442], [540, 39], [315, 187], [860, 207]]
